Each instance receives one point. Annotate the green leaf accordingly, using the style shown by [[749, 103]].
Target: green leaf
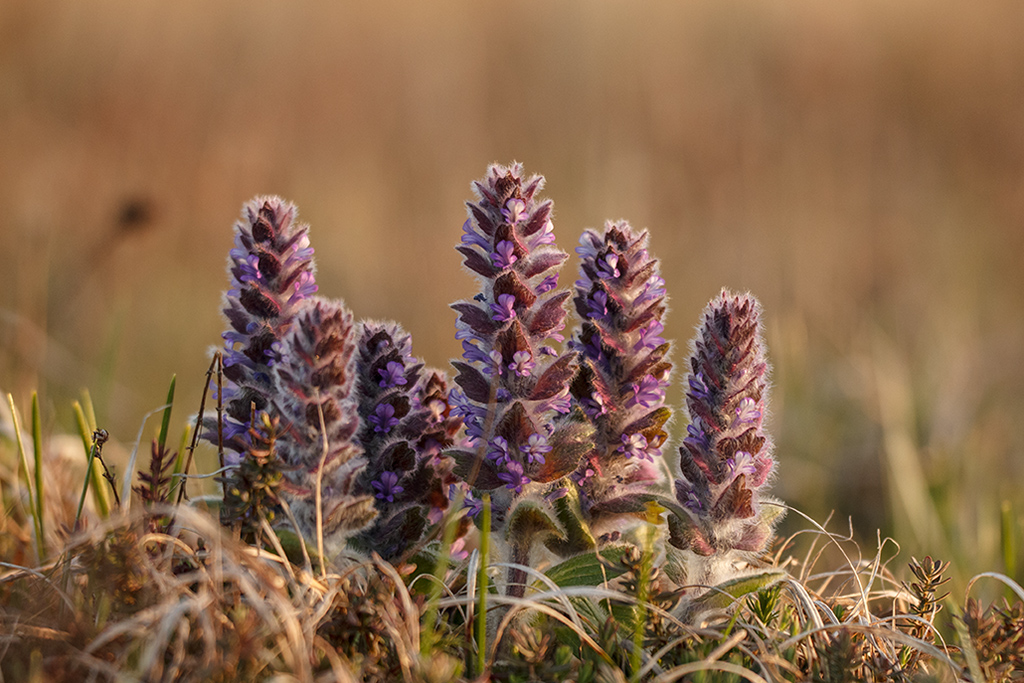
[[727, 592], [292, 543], [578, 537], [590, 569], [165, 424], [527, 521]]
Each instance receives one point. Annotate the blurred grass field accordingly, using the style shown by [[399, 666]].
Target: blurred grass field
[[858, 166]]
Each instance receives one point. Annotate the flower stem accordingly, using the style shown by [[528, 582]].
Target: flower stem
[[481, 583]]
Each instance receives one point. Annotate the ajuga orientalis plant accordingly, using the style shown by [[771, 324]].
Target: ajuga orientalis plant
[[338, 425]]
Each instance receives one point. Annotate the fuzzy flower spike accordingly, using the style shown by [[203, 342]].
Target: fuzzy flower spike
[[514, 384], [315, 401], [725, 459], [271, 270], [406, 422], [624, 369]]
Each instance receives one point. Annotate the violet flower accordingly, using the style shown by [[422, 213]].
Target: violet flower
[[387, 487], [726, 457], [624, 370], [383, 418]]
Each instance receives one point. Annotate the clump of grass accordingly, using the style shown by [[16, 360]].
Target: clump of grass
[[189, 601]]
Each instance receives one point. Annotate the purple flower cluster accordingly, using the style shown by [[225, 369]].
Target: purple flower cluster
[[567, 443], [514, 384], [624, 367], [271, 270], [726, 457], [314, 397], [405, 425]]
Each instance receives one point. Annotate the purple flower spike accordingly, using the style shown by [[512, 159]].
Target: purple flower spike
[[261, 302], [383, 419], [624, 372], [726, 457], [515, 381], [409, 418], [504, 255], [387, 487], [393, 375], [315, 395]]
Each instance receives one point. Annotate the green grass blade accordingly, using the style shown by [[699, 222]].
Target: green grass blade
[[179, 462], [481, 582], [23, 456], [589, 569], [37, 447], [643, 589], [166, 422], [84, 430], [90, 411], [85, 489], [161, 439], [1008, 539], [94, 475], [727, 592], [428, 632]]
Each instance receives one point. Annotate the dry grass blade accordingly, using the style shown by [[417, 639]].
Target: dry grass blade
[[685, 669]]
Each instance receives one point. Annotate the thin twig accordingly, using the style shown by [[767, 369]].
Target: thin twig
[[319, 485], [199, 428]]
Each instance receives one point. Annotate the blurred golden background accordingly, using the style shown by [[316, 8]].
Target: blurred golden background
[[859, 166]]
